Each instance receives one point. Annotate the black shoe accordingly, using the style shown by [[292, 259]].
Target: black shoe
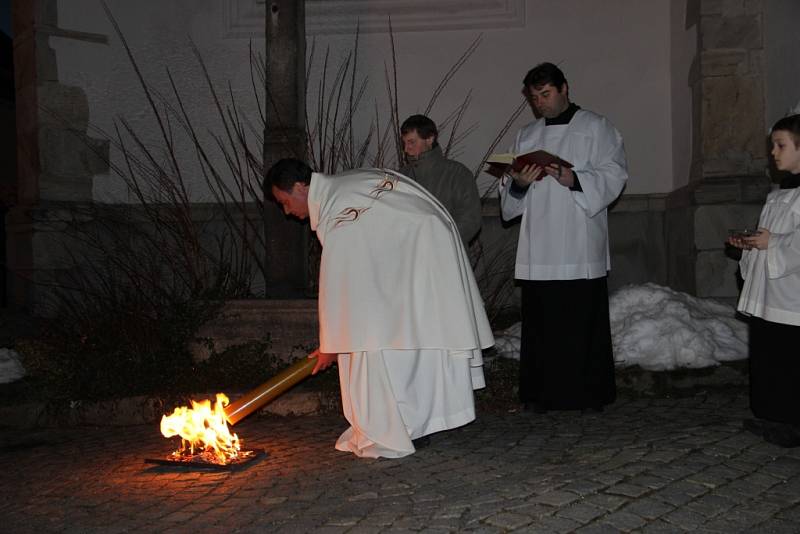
[[591, 410], [785, 435], [535, 407], [421, 443], [757, 426]]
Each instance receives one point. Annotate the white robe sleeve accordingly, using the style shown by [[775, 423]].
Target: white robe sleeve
[[745, 262], [510, 206], [783, 254], [606, 172]]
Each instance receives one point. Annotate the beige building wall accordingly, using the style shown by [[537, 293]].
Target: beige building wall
[[626, 59], [683, 49], [692, 85]]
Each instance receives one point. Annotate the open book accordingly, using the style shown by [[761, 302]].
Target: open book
[[499, 164]]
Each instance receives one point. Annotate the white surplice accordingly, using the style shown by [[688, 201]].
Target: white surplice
[[398, 302], [772, 276], [564, 233]]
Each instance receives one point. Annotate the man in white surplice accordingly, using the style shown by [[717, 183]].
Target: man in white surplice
[[563, 259], [399, 309]]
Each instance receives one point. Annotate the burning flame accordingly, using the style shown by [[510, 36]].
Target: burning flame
[[203, 431]]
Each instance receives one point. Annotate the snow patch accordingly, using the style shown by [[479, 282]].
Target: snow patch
[[11, 368], [660, 329]]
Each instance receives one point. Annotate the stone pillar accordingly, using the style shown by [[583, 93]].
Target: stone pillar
[[730, 86], [729, 157], [284, 136], [56, 160]]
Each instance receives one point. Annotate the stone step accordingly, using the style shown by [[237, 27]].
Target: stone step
[[290, 326]]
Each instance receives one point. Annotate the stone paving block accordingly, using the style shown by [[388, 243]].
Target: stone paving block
[[509, 520], [792, 513], [627, 490], [673, 471], [734, 521], [368, 495], [451, 524], [632, 469], [781, 498], [782, 468], [624, 521], [680, 492], [485, 529], [648, 480], [358, 529], [606, 502], [554, 524], [776, 526], [722, 450], [556, 498], [737, 491], [326, 529], [658, 527], [581, 512], [475, 515], [649, 508], [685, 518], [178, 517], [760, 480], [379, 519], [608, 479], [343, 521], [597, 528], [533, 509], [714, 477], [584, 487]]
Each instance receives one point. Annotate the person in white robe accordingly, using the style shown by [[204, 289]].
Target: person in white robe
[[562, 261], [399, 308], [770, 266]]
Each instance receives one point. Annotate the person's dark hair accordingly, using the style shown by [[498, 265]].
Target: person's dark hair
[[285, 173], [542, 74], [424, 127], [789, 124]]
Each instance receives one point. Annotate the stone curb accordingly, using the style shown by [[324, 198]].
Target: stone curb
[[643, 382], [144, 410], [149, 409]]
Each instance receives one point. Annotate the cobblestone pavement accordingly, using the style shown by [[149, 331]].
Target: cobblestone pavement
[[649, 465]]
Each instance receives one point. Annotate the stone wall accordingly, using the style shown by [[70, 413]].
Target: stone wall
[[699, 221], [56, 157]]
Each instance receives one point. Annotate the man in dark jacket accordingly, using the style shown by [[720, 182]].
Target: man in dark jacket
[[449, 181]]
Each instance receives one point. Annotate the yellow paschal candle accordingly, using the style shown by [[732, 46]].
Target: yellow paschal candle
[[275, 386]]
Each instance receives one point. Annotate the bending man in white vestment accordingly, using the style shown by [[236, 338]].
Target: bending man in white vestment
[[399, 309]]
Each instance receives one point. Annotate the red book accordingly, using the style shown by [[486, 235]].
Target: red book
[[500, 164]]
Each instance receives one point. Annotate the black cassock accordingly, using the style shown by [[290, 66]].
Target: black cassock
[[774, 371], [566, 357]]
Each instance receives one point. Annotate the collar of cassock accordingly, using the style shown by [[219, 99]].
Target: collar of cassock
[[790, 181], [565, 116]]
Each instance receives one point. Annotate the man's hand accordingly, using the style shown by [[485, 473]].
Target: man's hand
[[563, 175], [528, 175], [324, 360]]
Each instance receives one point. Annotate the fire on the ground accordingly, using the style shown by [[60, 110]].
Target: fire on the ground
[[204, 432]]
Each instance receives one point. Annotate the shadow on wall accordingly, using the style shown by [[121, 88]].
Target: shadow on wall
[[8, 143]]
